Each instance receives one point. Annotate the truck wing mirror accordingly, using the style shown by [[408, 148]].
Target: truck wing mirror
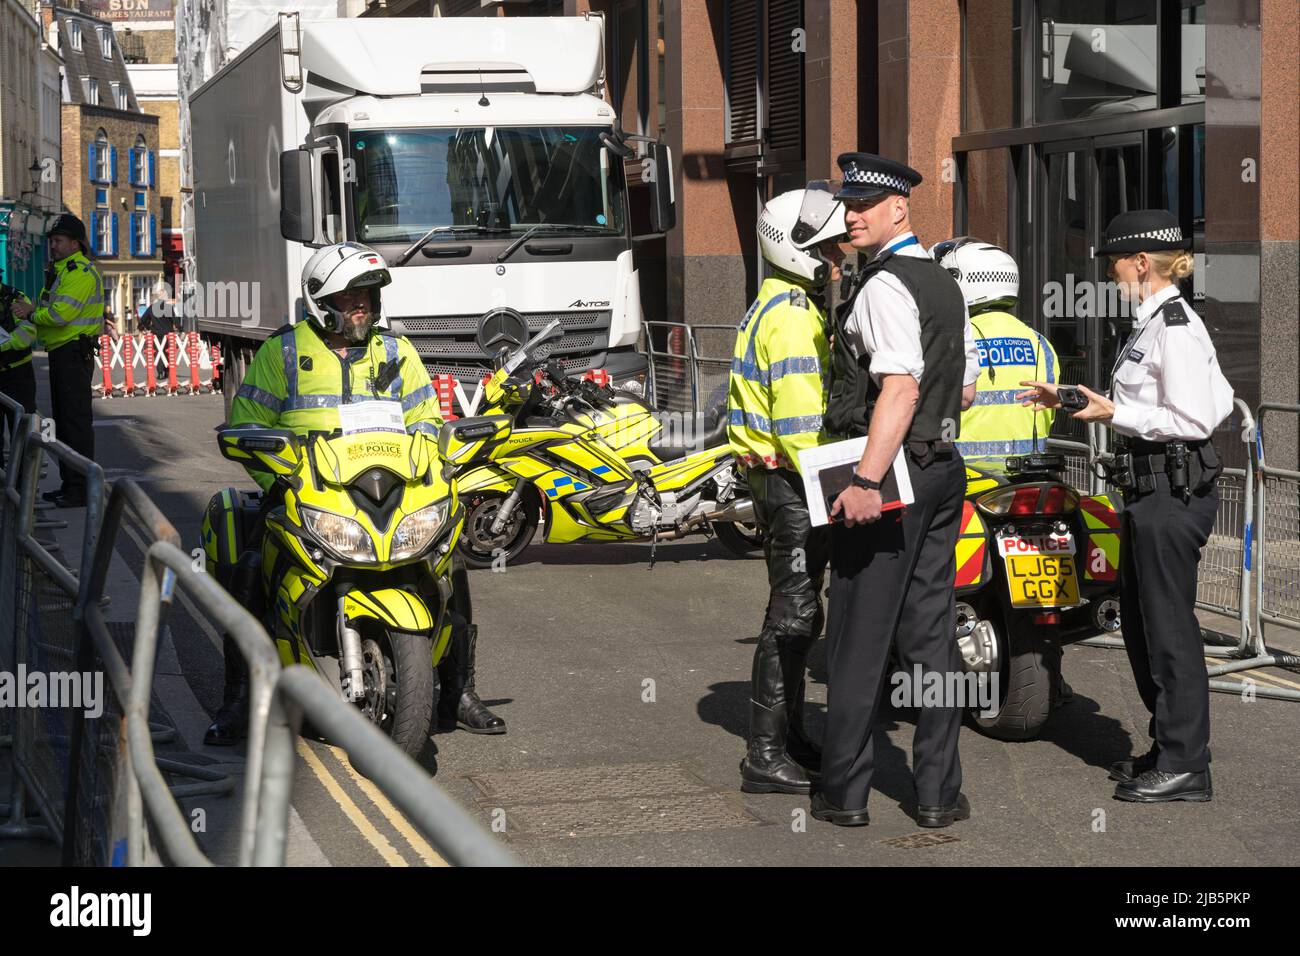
[[663, 208], [297, 215]]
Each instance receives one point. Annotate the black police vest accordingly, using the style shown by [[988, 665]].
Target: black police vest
[[943, 348]]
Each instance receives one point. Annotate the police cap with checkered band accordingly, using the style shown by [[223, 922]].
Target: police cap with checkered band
[[868, 176], [1143, 230]]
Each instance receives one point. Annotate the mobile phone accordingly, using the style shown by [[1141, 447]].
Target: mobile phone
[[1071, 398]]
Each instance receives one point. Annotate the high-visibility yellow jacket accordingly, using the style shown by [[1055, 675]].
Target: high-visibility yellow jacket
[[72, 303], [297, 381], [16, 350], [779, 375], [997, 425]]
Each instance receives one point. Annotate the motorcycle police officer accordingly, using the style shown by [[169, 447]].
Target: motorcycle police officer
[[69, 316], [297, 380], [1168, 396], [17, 379], [776, 399], [997, 424], [905, 366]]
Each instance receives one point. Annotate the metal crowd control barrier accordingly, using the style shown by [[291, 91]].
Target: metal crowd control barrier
[[96, 782]]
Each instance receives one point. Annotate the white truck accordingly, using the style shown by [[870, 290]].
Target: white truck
[[478, 155]]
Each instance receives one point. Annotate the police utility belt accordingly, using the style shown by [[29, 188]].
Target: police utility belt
[[1190, 465]]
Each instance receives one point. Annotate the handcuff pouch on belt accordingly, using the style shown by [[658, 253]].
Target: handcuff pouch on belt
[[1137, 472]]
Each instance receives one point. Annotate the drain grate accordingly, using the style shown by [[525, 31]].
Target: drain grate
[[615, 800], [918, 841]]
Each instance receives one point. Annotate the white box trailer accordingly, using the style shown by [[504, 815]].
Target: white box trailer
[[478, 155]]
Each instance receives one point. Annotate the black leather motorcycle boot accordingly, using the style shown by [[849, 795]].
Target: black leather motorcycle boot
[[231, 723], [459, 705], [767, 768]]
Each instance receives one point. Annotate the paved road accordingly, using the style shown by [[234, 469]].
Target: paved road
[[625, 689]]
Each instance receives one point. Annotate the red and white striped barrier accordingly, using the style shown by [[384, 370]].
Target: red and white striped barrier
[[451, 394], [128, 366]]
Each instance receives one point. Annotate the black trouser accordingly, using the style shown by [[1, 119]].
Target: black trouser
[[72, 367], [1160, 549], [892, 585], [19, 383]]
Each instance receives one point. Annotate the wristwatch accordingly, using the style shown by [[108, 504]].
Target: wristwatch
[[866, 483]]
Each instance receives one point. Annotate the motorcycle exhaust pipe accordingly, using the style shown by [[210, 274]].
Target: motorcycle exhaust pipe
[[741, 511], [350, 659]]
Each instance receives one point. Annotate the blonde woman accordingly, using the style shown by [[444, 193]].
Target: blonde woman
[[1168, 396]]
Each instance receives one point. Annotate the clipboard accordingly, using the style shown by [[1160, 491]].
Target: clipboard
[[827, 470]]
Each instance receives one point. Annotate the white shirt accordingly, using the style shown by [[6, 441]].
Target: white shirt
[[886, 323], [1167, 385]]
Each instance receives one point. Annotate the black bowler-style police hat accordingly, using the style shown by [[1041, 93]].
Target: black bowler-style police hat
[[1142, 230], [867, 176], [69, 225]]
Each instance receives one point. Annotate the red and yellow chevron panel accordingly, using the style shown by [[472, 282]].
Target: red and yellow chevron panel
[[971, 547], [1099, 513], [1101, 559]]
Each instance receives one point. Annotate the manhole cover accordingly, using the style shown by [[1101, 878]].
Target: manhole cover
[[919, 840], [588, 783], [608, 801]]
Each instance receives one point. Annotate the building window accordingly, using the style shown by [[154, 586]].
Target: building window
[[139, 234], [140, 163], [763, 73], [139, 200], [106, 236], [74, 35], [103, 158], [92, 90], [121, 97], [101, 198], [106, 43]]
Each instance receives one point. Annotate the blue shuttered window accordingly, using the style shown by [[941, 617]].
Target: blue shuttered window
[[112, 164], [151, 170], [153, 235], [113, 251]]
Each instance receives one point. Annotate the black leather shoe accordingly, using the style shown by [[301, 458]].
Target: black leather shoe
[[824, 810], [230, 726], [935, 817], [1161, 786], [472, 715], [54, 495], [1122, 770], [779, 775], [460, 706]]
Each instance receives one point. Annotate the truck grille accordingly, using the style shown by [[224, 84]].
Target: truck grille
[[474, 372], [436, 325]]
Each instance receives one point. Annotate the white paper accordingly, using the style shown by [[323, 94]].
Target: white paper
[[812, 461], [373, 416]]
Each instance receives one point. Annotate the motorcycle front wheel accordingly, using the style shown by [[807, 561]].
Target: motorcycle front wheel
[[401, 687], [479, 546]]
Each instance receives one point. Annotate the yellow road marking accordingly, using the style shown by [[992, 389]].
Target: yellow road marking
[[427, 853], [350, 809]]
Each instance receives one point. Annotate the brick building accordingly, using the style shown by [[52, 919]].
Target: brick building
[[1033, 122], [110, 158]]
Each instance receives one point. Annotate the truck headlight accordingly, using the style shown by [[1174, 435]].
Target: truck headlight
[[416, 531], [345, 537]]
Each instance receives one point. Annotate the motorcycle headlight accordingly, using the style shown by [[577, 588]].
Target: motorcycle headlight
[[416, 531], [345, 537]]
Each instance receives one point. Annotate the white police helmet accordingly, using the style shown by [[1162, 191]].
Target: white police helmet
[[336, 268], [792, 224], [985, 273]]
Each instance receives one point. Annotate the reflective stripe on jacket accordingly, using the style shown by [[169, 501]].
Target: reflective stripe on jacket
[[779, 373], [996, 424], [17, 349], [297, 381], [72, 304]]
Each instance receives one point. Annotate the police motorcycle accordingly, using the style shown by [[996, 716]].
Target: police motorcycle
[[356, 555], [1037, 568], [599, 461]]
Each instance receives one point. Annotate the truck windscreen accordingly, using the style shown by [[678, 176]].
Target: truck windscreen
[[498, 179]]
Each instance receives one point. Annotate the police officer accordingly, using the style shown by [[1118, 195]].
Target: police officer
[[17, 379], [777, 397], [297, 380], [1168, 396], [69, 317], [997, 424], [906, 367]]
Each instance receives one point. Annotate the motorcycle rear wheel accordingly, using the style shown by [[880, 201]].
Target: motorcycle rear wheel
[[742, 540], [1029, 664], [478, 546]]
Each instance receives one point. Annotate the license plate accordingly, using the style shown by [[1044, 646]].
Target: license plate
[[1040, 570]]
